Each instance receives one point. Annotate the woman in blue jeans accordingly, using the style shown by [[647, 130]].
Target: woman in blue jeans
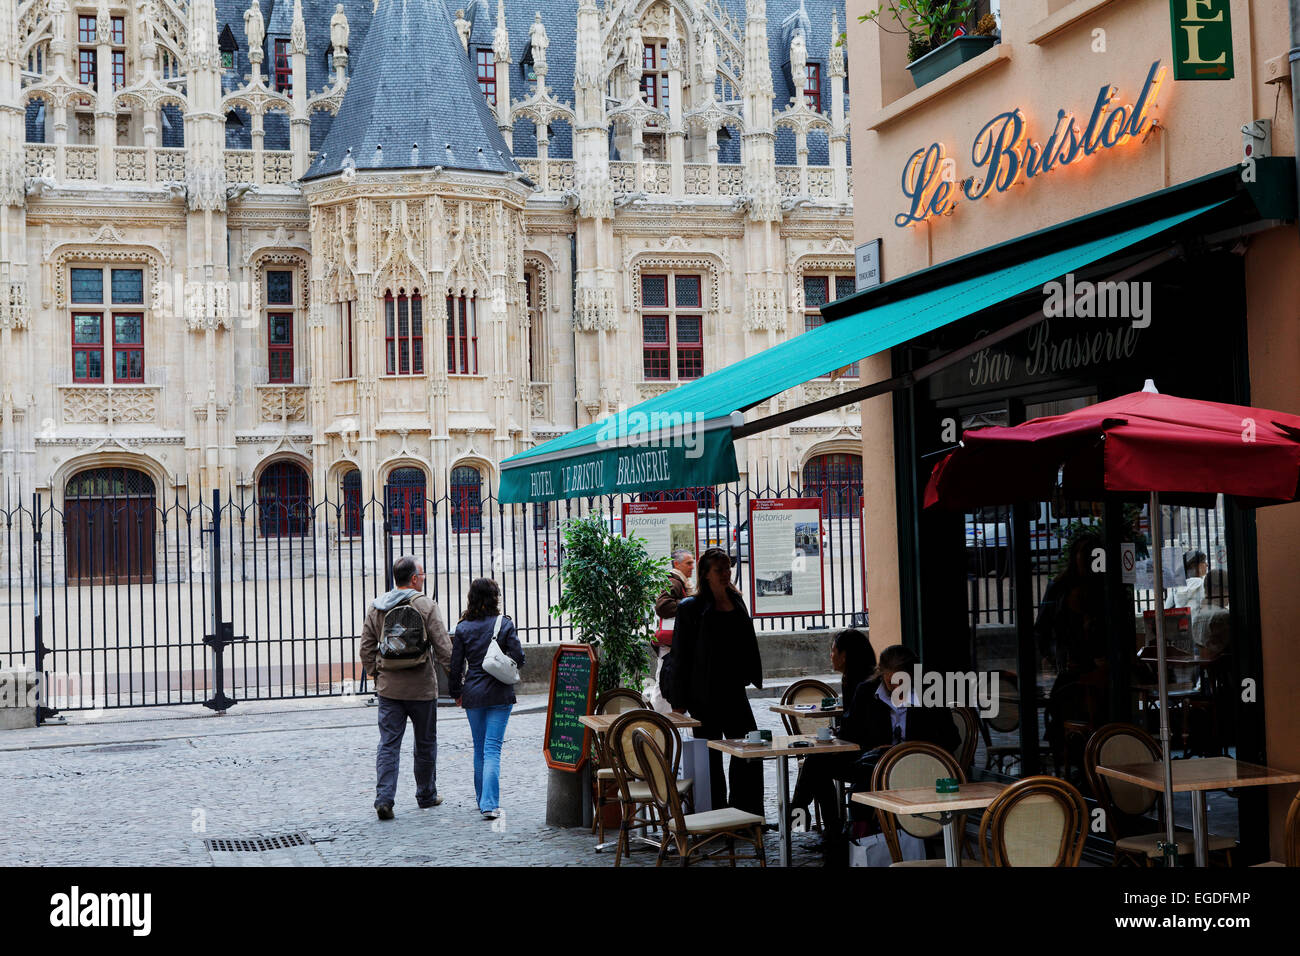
[[486, 700]]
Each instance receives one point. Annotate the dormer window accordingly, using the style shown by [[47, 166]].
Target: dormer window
[[283, 68], [487, 74], [812, 92], [227, 44]]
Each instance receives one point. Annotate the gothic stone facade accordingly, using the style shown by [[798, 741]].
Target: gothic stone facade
[[175, 298]]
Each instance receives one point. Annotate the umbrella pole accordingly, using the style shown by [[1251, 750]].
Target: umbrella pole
[[1158, 586]]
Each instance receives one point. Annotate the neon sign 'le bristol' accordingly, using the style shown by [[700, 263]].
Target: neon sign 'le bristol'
[[1005, 155]]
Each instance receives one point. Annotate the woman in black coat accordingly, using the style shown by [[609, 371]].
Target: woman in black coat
[[714, 657]]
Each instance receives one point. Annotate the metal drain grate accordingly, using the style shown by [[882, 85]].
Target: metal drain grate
[[124, 748], [261, 844]]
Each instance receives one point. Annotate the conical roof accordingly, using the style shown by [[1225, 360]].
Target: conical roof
[[412, 86]]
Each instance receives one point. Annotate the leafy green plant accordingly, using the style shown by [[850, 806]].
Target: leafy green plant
[[929, 24], [610, 585]]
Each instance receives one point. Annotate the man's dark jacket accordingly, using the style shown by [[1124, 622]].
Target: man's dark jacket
[[869, 724]]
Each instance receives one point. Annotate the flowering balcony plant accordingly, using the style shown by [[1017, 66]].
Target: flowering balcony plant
[[938, 38]]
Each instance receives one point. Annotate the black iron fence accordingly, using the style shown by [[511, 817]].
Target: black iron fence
[[122, 596]]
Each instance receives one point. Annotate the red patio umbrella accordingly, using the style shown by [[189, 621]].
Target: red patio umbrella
[[1143, 442]]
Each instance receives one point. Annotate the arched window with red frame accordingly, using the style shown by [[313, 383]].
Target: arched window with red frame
[[284, 500], [837, 480], [352, 503], [466, 499], [406, 501], [404, 333]]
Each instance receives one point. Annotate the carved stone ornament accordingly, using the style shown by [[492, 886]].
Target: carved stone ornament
[[205, 186], [595, 310]]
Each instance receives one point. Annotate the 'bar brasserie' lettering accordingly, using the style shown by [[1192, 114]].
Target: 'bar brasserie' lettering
[[1003, 154], [645, 467]]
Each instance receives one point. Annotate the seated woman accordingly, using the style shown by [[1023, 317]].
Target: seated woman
[[853, 657], [881, 715]]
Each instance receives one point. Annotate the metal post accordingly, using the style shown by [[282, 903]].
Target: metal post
[[223, 632], [1170, 847], [42, 711]]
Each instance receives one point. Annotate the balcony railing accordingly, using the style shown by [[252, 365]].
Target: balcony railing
[[80, 163]]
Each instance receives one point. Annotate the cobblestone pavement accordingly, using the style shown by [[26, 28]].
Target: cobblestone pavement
[[145, 787]]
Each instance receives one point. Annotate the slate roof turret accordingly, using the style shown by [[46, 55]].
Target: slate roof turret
[[413, 86]]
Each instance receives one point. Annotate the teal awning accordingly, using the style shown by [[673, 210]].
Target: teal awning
[[683, 438]]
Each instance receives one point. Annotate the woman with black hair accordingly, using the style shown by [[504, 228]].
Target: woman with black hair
[[487, 701], [853, 657], [714, 657]]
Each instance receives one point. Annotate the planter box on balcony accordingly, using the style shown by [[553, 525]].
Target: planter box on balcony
[[952, 54]]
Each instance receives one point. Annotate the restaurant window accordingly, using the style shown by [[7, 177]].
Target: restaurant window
[[812, 91], [279, 325], [404, 333], [462, 335], [283, 68], [672, 327], [284, 500], [837, 480], [406, 501], [466, 499], [352, 503], [816, 293], [104, 334], [487, 74]]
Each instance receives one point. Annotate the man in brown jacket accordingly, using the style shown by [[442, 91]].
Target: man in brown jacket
[[406, 692]]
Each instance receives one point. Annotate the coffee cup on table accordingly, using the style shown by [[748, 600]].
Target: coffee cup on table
[[823, 733], [754, 737]]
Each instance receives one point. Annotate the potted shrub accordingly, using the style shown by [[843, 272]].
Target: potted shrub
[[610, 585], [938, 39]]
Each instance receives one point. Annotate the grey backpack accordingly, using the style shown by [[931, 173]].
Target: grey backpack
[[403, 641]]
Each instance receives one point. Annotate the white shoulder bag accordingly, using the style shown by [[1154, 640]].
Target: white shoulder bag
[[497, 662]]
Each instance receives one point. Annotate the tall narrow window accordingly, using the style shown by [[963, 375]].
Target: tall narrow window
[[283, 68], [352, 503], [99, 324], [487, 74], [672, 327], [654, 75], [404, 333], [462, 336], [812, 91], [536, 334], [119, 69], [279, 325], [816, 293], [347, 348], [87, 73], [466, 499]]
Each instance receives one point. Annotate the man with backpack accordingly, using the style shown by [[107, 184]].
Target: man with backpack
[[402, 633]]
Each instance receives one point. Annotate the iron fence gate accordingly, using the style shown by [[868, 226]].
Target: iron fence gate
[[122, 595]]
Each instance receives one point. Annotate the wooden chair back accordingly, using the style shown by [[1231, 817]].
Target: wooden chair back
[[967, 720], [907, 765], [1291, 850], [805, 691], [1038, 821], [619, 741], [1112, 745], [660, 776], [619, 700], [1008, 717]]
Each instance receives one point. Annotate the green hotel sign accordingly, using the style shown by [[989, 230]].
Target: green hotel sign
[[1202, 36]]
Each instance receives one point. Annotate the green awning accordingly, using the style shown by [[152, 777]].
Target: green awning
[[683, 438]]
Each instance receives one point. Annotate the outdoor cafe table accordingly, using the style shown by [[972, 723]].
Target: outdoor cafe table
[[816, 713], [917, 801], [779, 748], [1195, 776]]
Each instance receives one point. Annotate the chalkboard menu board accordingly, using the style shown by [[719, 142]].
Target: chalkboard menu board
[[572, 694]]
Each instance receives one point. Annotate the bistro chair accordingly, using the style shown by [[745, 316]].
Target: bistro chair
[[604, 789], [907, 765], [1037, 821], [1126, 805], [1007, 721], [967, 720], [806, 691], [633, 789], [692, 834], [1291, 838]]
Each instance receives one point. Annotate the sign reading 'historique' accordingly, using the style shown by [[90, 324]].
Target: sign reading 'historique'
[[1004, 154]]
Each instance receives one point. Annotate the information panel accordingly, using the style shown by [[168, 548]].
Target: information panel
[[572, 694], [785, 549], [665, 526]]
